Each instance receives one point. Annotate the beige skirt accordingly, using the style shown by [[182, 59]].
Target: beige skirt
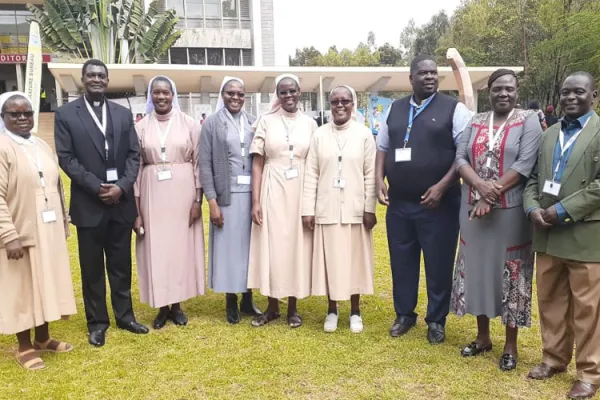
[[342, 261]]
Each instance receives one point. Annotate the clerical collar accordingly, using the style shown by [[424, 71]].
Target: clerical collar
[[94, 103]]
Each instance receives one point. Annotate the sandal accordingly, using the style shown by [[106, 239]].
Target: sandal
[[33, 364], [265, 318], [53, 346], [294, 320], [475, 349]]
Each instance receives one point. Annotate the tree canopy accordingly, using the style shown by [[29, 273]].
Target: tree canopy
[[549, 38]]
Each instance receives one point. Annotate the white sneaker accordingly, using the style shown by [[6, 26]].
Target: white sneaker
[[356, 324], [331, 322]]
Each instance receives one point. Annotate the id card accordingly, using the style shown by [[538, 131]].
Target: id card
[[48, 216], [339, 183], [403, 155], [291, 173], [244, 179], [112, 175], [551, 187], [165, 175]]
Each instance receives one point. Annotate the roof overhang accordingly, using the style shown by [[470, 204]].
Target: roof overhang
[[201, 78]]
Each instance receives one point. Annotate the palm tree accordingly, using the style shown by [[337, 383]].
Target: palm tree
[[114, 31]]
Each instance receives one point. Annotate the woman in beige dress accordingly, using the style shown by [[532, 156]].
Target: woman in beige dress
[[280, 247], [339, 204], [35, 274], [170, 235]]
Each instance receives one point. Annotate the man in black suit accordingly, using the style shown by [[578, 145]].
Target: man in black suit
[[97, 148]]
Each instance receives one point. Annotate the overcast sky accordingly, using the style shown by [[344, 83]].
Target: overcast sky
[[345, 23]]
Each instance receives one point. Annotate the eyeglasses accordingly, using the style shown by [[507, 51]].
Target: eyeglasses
[[18, 114], [290, 92], [343, 102], [241, 95]]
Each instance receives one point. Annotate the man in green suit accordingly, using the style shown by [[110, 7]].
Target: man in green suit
[[562, 199]]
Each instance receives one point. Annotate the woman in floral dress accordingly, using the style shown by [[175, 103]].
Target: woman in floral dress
[[494, 268]]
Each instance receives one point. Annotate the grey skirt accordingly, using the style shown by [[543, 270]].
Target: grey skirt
[[494, 266], [229, 247]]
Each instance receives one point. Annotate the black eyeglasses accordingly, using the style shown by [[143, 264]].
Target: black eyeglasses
[[241, 95], [343, 102], [17, 114], [290, 92]]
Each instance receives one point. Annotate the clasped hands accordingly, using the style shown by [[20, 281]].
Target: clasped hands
[[489, 192], [110, 193]]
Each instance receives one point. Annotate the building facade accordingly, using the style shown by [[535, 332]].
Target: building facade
[[14, 38], [221, 32]]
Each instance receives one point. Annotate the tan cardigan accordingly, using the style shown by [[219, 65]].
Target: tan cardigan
[[18, 211], [332, 205]]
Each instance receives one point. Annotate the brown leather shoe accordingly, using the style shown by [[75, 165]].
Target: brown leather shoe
[[543, 371], [582, 390]]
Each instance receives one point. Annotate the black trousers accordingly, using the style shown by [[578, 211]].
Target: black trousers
[[412, 228], [111, 238]]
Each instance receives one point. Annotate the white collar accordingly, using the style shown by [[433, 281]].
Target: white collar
[[20, 139], [414, 103]]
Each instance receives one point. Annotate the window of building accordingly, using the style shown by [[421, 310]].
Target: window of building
[[230, 9], [232, 57], [246, 57], [194, 9], [198, 56], [213, 8], [245, 9], [215, 56], [178, 6], [179, 55]]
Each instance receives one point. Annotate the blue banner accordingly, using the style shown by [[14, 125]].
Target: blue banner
[[378, 107]]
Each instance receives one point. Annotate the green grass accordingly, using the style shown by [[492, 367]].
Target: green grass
[[209, 359]]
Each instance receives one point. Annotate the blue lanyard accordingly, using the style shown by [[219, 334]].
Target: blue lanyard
[[412, 115]]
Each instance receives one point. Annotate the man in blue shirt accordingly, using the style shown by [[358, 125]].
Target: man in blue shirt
[[562, 199]]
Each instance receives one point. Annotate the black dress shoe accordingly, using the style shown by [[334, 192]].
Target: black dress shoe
[[161, 319], [582, 390], [401, 326], [507, 362], [97, 338], [178, 317], [231, 309], [133, 327], [474, 349], [436, 333], [247, 305]]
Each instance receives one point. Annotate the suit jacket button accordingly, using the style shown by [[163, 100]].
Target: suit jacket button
[[596, 159], [583, 181]]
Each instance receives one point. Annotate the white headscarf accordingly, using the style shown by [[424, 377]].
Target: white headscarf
[[150, 104], [6, 96], [220, 102], [275, 102], [355, 114]]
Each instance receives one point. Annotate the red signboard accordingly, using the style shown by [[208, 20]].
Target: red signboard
[[20, 58]]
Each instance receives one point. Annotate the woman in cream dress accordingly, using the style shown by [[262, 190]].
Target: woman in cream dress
[[280, 247], [35, 274], [339, 204]]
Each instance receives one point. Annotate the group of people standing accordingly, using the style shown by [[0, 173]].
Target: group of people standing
[[292, 208]]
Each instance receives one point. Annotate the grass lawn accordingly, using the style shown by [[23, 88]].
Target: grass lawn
[[209, 359]]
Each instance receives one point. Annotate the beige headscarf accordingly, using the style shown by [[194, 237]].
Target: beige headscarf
[[355, 114]]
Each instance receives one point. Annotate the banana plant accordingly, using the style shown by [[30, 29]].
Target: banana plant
[[114, 31]]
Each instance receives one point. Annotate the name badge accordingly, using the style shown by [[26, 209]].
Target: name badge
[[403, 155], [488, 162], [165, 175], [48, 216], [112, 175], [551, 187], [244, 179], [291, 173], [339, 183]]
